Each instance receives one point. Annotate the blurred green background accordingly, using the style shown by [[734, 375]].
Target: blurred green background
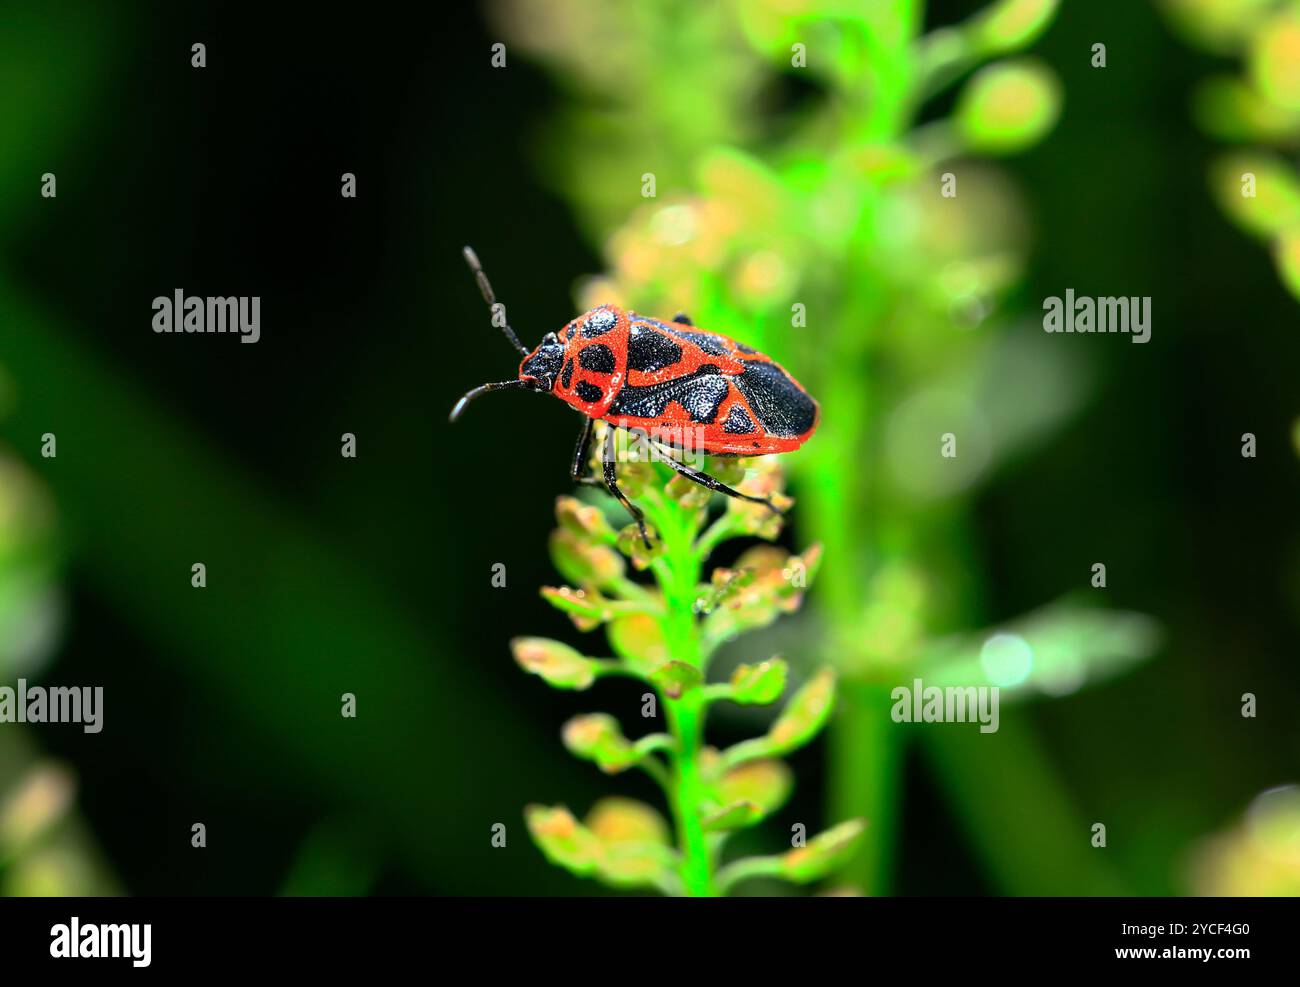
[[372, 576]]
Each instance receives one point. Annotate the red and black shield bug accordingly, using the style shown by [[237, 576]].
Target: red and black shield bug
[[678, 386]]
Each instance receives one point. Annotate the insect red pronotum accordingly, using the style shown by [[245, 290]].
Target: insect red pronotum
[[665, 381]]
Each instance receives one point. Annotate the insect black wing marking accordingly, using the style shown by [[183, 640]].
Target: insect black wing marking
[[600, 322], [588, 392], [782, 408], [709, 343], [649, 351], [738, 422], [700, 394], [597, 357]]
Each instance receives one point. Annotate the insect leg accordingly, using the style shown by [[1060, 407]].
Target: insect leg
[[683, 319], [580, 451], [611, 482], [704, 480]]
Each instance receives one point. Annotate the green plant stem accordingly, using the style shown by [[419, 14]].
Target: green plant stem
[[658, 773], [678, 572], [1043, 852], [863, 753], [865, 756], [686, 718], [718, 532]]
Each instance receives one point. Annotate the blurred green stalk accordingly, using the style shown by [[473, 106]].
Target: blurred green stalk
[[864, 745]]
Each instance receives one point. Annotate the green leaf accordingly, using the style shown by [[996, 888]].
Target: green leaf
[[688, 494], [583, 520], [560, 665], [1221, 26], [676, 678], [733, 816], [1053, 651], [636, 845], [1286, 255], [1259, 191], [562, 839], [1008, 107], [774, 583], [800, 570], [583, 561], [758, 685], [39, 799], [631, 544], [586, 608], [598, 737], [766, 784], [639, 639], [1274, 59], [823, 854], [600, 849], [623, 820], [804, 715], [723, 584], [636, 865], [746, 187], [1227, 108], [725, 469], [1011, 24]]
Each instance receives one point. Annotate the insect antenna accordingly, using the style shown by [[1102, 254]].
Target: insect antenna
[[484, 389], [490, 297]]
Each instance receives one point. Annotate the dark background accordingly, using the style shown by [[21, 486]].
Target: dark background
[[371, 575]]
